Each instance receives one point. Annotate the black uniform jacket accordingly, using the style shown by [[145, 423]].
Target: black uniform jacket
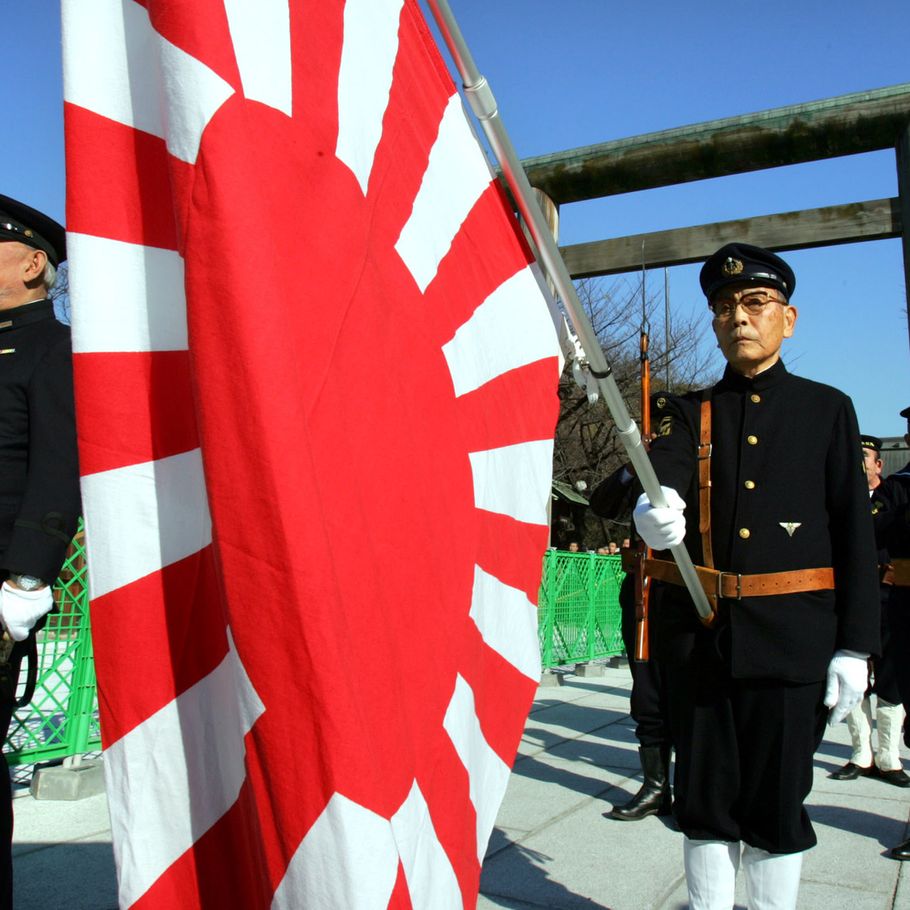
[[788, 492], [39, 471], [891, 513]]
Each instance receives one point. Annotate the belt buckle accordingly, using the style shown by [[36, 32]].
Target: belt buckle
[[739, 585]]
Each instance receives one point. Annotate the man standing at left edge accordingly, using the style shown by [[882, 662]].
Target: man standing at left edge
[[39, 473]]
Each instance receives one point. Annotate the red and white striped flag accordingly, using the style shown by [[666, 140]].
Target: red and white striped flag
[[316, 388]]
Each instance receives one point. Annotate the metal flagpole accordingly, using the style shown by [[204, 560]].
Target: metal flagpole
[[483, 104]]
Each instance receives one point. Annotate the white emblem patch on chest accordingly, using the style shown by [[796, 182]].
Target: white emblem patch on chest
[[790, 526]]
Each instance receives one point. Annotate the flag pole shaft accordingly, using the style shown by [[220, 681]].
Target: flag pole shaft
[[483, 104]]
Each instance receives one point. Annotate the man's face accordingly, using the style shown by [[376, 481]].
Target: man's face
[[873, 465], [751, 341], [573, 547]]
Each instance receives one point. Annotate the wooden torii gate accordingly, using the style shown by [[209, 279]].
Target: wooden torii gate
[[846, 125]]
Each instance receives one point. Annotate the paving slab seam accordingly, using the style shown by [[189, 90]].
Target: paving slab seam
[[841, 885], [897, 886], [555, 706], [886, 796], [22, 850], [669, 893], [515, 903], [531, 832], [568, 739]]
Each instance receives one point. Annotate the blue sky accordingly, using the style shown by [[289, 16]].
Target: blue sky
[[586, 71]]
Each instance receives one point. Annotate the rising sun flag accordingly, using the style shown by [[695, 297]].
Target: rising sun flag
[[316, 382]]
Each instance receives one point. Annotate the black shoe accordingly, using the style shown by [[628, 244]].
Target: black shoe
[[654, 796], [851, 772], [896, 777], [901, 851]]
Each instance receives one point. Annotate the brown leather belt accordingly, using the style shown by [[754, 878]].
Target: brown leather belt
[[897, 573], [734, 586]]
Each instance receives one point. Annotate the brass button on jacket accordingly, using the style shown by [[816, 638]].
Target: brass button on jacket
[[752, 440], [744, 533], [749, 484]]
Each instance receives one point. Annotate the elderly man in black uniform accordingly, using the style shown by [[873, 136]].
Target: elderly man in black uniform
[[891, 514], [797, 611], [39, 476]]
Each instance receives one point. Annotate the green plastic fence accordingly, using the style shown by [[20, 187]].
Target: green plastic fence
[[62, 718], [578, 608]]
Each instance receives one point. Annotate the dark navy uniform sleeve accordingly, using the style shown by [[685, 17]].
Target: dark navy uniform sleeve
[[890, 514], [853, 550], [675, 445], [50, 505]]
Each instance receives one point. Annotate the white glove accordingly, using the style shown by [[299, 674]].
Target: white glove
[[660, 529], [20, 610], [848, 677]]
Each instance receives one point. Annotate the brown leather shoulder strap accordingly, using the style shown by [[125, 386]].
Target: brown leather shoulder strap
[[704, 479]]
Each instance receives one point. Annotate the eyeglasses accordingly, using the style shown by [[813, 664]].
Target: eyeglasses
[[753, 304]]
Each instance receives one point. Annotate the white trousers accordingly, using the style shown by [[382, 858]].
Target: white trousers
[[772, 879], [889, 721]]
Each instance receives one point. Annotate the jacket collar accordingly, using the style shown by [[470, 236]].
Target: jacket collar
[[767, 379], [19, 316]]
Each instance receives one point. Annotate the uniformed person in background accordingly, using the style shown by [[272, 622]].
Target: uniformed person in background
[[782, 510], [39, 476], [884, 761], [891, 514], [612, 498]]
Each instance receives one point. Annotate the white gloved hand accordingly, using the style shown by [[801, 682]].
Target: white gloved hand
[[848, 677], [20, 610], [660, 529]]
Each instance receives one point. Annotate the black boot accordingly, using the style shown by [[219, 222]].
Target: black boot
[[654, 796]]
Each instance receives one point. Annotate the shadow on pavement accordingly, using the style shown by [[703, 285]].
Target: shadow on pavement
[[887, 831], [75, 876], [514, 864]]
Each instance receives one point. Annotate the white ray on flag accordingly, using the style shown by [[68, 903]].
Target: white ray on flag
[[123, 81], [511, 328], [132, 68], [261, 34], [365, 81], [148, 311], [488, 774], [514, 480], [507, 620], [347, 859], [432, 884], [457, 174], [168, 762], [143, 517], [193, 93]]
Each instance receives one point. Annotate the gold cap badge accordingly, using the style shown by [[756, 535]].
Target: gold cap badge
[[732, 266]]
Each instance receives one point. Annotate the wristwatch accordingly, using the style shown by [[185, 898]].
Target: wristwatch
[[26, 582]]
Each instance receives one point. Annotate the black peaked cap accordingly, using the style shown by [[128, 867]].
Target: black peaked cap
[[21, 222], [744, 262]]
